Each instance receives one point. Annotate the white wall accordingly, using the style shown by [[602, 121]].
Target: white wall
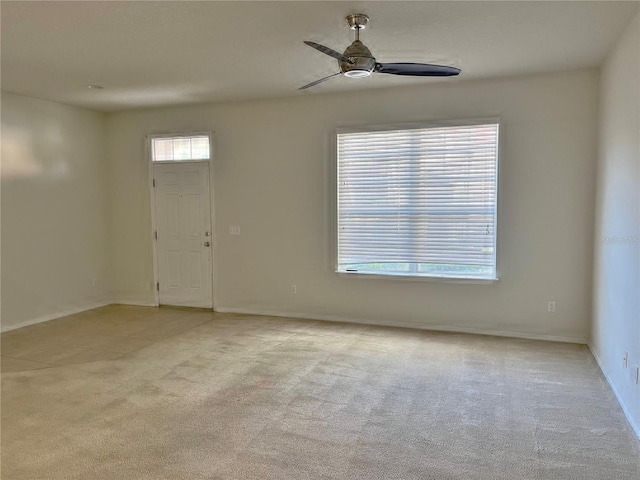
[[54, 220], [616, 295], [272, 179]]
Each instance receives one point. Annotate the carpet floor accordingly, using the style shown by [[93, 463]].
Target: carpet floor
[[126, 392]]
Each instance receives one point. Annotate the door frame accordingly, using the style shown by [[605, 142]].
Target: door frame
[[152, 196]]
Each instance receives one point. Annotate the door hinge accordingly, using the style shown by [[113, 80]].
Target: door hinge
[[158, 286], [154, 182], [155, 235]]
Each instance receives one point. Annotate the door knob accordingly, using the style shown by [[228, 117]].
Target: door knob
[[207, 244]]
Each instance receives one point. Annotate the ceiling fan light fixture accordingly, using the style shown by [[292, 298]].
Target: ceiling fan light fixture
[[356, 73]]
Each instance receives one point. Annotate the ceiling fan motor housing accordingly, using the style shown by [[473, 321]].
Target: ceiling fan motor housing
[[363, 62]]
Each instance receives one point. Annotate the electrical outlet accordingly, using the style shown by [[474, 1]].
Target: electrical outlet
[[94, 282], [294, 289], [625, 359], [551, 306]]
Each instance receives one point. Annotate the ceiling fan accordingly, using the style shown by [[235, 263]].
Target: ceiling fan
[[357, 60]]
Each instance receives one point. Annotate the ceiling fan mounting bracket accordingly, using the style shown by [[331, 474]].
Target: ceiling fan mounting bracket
[[357, 21]]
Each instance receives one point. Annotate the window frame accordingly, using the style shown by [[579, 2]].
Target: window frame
[[155, 136], [435, 123]]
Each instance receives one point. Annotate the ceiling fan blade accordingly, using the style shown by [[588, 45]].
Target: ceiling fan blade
[[330, 52], [417, 69], [319, 81]]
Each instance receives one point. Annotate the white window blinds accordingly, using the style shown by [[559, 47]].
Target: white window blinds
[[169, 149], [418, 201]]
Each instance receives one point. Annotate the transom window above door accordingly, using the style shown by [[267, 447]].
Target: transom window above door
[[181, 148]]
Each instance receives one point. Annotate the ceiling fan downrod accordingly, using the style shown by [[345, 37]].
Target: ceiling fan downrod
[[357, 22]]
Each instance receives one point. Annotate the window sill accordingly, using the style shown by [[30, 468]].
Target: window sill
[[419, 278]]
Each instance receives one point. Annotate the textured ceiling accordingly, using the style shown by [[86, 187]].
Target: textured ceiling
[[167, 53]]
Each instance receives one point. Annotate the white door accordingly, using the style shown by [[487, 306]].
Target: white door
[[184, 241]]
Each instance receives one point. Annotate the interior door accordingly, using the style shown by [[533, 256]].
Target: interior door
[[184, 242]]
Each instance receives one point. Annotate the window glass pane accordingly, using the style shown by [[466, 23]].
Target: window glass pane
[[162, 149], [181, 148], [200, 147]]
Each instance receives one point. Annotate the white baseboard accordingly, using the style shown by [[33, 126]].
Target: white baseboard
[[53, 316], [634, 426], [392, 323], [134, 303], [72, 311]]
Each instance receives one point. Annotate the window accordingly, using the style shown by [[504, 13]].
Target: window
[[418, 201], [169, 149]]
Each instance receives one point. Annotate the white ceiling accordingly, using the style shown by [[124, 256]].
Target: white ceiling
[[166, 53]]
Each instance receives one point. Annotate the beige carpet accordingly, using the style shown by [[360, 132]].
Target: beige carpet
[[142, 393]]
